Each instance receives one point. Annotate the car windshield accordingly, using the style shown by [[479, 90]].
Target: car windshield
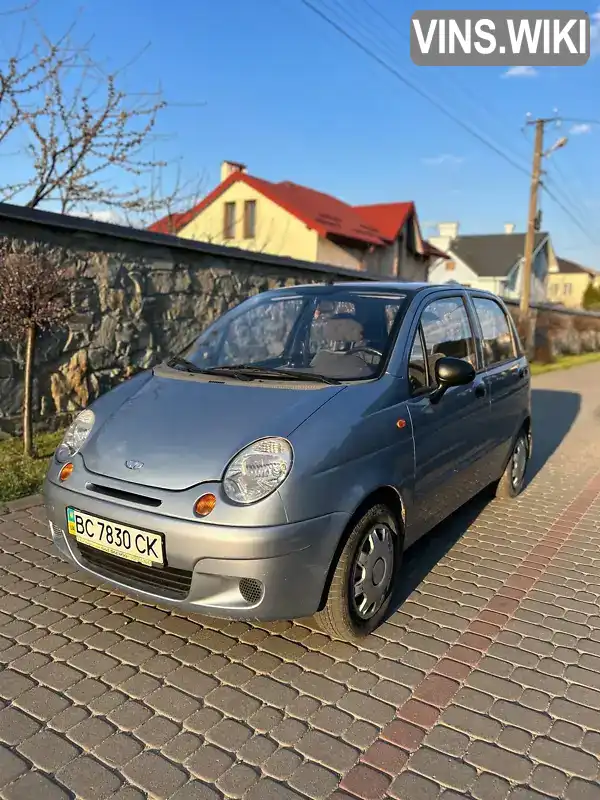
[[329, 334]]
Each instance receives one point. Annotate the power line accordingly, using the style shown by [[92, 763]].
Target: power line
[[440, 107], [570, 197], [533, 216], [569, 213], [411, 85], [481, 104], [575, 204]]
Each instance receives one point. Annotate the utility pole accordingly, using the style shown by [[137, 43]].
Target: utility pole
[[532, 223], [536, 175]]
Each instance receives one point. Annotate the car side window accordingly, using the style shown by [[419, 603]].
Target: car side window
[[418, 377], [498, 344], [447, 332], [444, 330]]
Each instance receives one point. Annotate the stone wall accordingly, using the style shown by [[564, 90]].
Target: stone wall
[[560, 332], [137, 297]]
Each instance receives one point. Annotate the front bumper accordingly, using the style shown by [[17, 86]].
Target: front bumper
[[266, 573]]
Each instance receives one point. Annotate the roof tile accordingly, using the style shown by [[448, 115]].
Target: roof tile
[[492, 255], [372, 224]]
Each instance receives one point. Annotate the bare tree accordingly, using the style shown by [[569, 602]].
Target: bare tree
[[34, 297], [84, 135], [24, 75], [168, 199]]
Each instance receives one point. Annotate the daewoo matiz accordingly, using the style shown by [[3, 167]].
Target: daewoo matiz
[[280, 465]]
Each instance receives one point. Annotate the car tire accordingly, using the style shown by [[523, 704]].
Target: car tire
[[512, 481], [344, 615]]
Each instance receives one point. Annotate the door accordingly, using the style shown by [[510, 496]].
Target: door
[[449, 436], [507, 375]]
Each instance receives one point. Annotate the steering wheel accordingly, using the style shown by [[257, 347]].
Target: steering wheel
[[363, 348]]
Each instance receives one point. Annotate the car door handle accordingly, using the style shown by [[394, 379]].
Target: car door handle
[[480, 390]]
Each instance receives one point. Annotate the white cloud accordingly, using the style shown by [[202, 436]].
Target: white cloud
[[107, 215], [595, 32], [520, 72], [101, 215], [444, 159], [580, 128]]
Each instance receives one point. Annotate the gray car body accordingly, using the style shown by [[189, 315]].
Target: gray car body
[[353, 443]]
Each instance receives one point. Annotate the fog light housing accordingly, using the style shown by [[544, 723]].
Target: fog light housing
[[251, 590], [66, 471], [204, 505]]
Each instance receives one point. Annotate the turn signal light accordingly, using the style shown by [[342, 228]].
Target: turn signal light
[[65, 471], [204, 505]]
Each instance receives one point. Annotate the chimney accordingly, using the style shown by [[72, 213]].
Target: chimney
[[229, 167], [509, 227], [448, 230]]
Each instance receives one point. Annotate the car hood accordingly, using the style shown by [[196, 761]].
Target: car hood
[[185, 431]]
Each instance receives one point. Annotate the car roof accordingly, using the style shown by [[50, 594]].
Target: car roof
[[393, 287]]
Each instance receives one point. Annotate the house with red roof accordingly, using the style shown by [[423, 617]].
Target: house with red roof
[[287, 219]]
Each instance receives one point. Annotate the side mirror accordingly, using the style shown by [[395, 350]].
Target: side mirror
[[451, 372]]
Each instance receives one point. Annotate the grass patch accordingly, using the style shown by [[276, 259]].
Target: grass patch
[[20, 476], [565, 362]]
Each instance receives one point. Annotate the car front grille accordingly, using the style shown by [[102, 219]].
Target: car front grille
[[167, 582]]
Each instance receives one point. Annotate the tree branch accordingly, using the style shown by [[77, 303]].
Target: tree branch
[[85, 138]]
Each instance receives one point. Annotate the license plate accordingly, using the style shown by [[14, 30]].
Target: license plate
[[133, 544]]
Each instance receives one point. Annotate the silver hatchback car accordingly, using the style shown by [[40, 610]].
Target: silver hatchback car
[[280, 465]]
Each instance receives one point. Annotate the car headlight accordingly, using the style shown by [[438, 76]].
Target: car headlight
[[258, 470], [76, 435]]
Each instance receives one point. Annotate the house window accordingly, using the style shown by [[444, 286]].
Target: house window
[[450, 265], [567, 289], [249, 219], [229, 221]]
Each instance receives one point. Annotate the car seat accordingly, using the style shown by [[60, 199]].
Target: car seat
[[335, 361]]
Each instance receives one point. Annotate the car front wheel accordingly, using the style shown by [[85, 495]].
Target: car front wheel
[[363, 580], [513, 479]]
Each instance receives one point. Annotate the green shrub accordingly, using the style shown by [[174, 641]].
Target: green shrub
[[591, 298]]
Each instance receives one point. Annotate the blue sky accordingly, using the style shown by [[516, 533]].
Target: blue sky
[[270, 84]]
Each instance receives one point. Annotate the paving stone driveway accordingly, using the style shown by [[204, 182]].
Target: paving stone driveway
[[484, 684]]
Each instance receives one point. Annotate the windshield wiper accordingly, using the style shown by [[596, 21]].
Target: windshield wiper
[[187, 366], [271, 372], [178, 361], [249, 372]]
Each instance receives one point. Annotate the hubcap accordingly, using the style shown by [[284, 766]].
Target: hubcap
[[519, 462], [371, 574]]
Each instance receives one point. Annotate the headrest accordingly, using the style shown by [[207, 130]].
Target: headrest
[[343, 329], [457, 348]]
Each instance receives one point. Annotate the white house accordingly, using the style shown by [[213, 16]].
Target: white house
[[491, 261]]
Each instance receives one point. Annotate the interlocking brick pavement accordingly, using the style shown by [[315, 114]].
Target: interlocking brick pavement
[[485, 683]]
